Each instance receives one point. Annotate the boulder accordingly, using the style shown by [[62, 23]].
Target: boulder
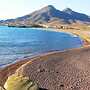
[[16, 82]]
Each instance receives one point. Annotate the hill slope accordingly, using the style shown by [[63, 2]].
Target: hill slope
[[50, 14]]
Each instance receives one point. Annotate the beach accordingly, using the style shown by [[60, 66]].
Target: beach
[[72, 62], [69, 68], [83, 34]]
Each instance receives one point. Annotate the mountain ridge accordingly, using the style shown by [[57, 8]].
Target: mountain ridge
[[50, 13]]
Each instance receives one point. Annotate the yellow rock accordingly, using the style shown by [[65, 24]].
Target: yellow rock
[[16, 82]]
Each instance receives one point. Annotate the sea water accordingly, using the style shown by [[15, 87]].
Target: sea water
[[18, 43]]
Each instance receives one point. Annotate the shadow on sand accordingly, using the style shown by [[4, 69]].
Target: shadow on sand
[[43, 89]]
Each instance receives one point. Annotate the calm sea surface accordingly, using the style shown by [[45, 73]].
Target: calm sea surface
[[18, 43]]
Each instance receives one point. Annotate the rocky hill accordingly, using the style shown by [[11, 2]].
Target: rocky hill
[[50, 14]]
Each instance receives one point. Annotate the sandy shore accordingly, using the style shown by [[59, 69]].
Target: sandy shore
[[84, 35], [67, 70]]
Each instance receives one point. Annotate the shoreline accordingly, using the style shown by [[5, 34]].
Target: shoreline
[[11, 69], [84, 44], [25, 60], [47, 30], [82, 34]]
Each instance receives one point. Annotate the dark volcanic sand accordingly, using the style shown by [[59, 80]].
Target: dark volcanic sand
[[69, 70]]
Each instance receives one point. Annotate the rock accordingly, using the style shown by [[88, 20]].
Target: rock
[[1, 88], [16, 82], [9, 70]]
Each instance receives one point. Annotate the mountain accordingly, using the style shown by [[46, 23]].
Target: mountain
[[50, 14], [77, 16]]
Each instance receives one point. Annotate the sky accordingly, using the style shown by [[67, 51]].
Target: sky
[[16, 8]]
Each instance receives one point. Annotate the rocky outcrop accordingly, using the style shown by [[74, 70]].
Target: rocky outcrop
[[15, 82], [9, 70]]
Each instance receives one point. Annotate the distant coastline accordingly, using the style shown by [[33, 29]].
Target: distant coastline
[[27, 26], [80, 33]]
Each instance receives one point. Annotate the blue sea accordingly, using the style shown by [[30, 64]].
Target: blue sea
[[18, 43]]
